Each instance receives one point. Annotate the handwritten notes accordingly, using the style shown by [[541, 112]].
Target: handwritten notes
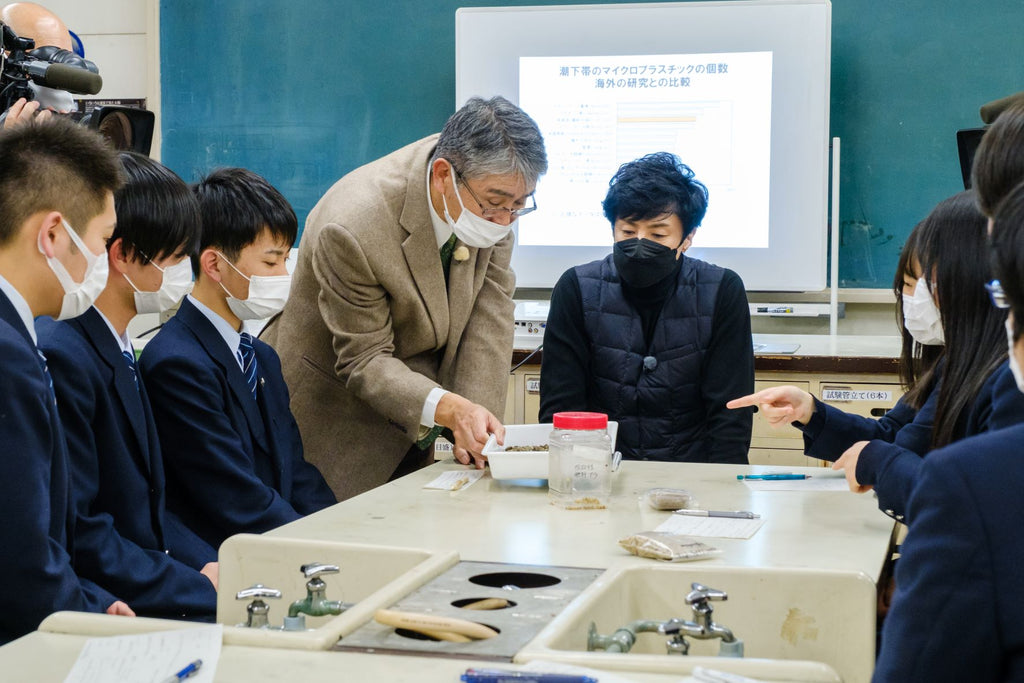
[[148, 657]]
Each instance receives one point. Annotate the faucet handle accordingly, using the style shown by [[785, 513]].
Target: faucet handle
[[701, 595], [257, 590], [314, 569]]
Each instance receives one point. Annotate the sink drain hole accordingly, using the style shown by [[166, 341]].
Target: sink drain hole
[[514, 580]]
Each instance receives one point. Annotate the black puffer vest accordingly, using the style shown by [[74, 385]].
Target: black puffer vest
[[652, 391]]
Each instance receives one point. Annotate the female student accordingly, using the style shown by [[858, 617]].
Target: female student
[[952, 365]]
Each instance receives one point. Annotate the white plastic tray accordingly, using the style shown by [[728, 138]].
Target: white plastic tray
[[525, 464]]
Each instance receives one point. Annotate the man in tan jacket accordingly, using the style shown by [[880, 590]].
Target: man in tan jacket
[[400, 320]]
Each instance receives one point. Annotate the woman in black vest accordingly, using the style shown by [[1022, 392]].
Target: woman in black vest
[[654, 339]]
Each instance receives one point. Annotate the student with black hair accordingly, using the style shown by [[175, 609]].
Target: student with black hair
[[57, 183], [124, 540], [656, 340], [952, 365], [956, 612], [232, 451]]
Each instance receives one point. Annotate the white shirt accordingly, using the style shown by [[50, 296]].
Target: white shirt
[[122, 339], [230, 335], [20, 306], [442, 231]]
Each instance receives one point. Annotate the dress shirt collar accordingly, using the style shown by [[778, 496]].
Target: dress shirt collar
[[21, 306], [122, 339], [231, 336], [442, 231]]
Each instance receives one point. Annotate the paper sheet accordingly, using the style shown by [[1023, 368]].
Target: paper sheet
[[454, 480], [713, 527], [148, 657], [828, 482]]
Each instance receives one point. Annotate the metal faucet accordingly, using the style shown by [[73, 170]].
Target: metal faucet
[[257, 610], [702, 627], [316, 604]]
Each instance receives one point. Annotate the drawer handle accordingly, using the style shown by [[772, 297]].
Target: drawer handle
[[878, 412]]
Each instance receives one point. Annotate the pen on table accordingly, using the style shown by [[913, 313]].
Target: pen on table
[[734, 514], [188, 671], [502, 676], [773, 477]]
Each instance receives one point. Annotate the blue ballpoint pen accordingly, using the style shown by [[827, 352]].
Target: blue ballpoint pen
[[505, 676], [772, 477], [189, 670]]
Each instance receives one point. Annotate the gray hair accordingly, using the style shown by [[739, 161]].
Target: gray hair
[[492, 137]]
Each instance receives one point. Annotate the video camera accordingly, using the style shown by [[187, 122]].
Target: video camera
[[22, 65]]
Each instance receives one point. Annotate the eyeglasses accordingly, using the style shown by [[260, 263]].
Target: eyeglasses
[[996, 294], [497, 211]]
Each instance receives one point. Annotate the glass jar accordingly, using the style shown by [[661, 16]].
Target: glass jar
[[579, 461]]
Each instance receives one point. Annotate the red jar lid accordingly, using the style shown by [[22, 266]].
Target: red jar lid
[[580, 421]]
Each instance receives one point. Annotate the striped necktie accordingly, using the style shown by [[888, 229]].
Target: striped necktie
[[250, 368], [46, 372], [129, 359]]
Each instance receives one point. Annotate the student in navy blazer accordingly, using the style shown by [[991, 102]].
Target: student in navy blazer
[[956, 612], [232, 450], [54, 175], [964, 390], [123, 541]]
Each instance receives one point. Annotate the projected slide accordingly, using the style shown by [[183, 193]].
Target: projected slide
[[596, 113]]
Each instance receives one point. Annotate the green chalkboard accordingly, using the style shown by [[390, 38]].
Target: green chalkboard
[[303, 92]]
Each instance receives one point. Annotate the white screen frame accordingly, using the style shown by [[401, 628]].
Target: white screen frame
[[489, 42]]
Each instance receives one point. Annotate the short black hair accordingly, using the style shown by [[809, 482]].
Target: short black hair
[[235, 207], [157, 214], [53, 165], [1008, 253], [999, 160], [653, 185]]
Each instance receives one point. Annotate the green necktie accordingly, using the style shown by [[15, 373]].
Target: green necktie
[[447, 249]]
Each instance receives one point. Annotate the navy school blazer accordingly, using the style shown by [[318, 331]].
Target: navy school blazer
[[117, 475], [956, 612], [36, 573], [233, 465]]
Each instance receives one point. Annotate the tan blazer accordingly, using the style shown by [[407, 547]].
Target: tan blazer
[[369, 328]]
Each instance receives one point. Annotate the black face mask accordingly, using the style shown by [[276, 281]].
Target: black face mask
[[641, 263]]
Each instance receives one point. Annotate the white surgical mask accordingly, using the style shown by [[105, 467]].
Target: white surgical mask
[[60, 101], [176, 283], [78, 296], [1018, 376], [474, 231], [267, 295], [921, 316]]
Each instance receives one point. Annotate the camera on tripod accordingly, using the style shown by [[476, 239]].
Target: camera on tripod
[[29, 72]]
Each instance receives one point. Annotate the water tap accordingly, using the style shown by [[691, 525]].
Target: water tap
[[315, 604], [702, 627], [257, 611]]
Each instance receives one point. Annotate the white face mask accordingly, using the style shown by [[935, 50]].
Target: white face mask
[[78, 296], [474, 231], [267, 295], [60, 101], [176, 283], [921, 316], [1018, 377]]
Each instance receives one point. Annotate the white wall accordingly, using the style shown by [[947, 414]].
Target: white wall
[[122, 38]]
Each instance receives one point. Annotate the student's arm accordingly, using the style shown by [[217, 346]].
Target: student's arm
[[728, 373], [147, 578], [830, 431], [36, 569], [942, 624], [565, 365], [203, 450]]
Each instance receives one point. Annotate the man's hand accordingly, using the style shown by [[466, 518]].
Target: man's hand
[[471, 424], [848, 463], [779, 405], [24, 111], [211, 571], [120, 609]]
